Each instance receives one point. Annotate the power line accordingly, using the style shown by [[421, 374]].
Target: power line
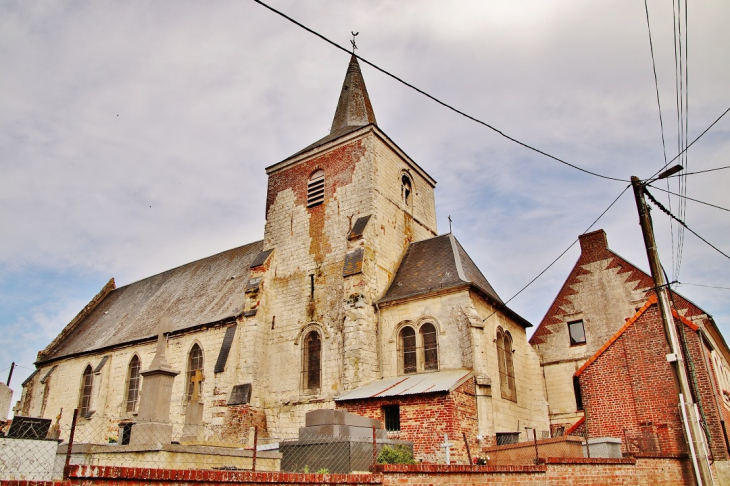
[[700, 285], [693, 142], [687, 197], [504, 304], [659, 205], [661, 122], [446, 105]]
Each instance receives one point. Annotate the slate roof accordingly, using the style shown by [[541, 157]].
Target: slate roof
[[433, 264], [441, 381], [202, 292], [441, 263]]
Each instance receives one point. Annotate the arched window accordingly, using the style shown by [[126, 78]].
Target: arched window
[[195, 370], [430, 347], [407, 343], [315, 189], [87, 381], [506, 367], [134, 381], [406, 189], [312, 361]]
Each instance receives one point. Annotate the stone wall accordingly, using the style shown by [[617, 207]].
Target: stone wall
[[109, 394], [6, 396]]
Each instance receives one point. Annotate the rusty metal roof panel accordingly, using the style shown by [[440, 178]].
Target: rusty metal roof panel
[[205, 291], [438, 382]]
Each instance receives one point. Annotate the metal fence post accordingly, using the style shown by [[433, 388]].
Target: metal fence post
[[69, 449], [534, 437], [466, 443], [255, 446], [375, 451]]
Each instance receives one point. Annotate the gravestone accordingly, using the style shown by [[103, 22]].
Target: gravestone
[[28, 428], [335, 440], [153, 419], [194, 426]]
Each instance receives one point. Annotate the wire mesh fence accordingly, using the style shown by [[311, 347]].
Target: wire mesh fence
[[40, 449]]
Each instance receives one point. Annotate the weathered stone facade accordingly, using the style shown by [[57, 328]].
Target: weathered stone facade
[[302, 316]]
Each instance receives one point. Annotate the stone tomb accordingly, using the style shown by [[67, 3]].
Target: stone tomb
[[335, 441]]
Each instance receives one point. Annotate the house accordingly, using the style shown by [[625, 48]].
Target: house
[[350, 290], [604, 352]]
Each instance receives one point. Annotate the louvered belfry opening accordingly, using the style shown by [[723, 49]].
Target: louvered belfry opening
[[315, 189]]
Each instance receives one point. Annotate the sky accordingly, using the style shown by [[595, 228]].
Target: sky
[[134, 135]]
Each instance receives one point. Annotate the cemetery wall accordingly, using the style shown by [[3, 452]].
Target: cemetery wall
[[552, 472]]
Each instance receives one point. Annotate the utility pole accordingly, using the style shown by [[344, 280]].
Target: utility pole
[[695, 438], [10, 375]]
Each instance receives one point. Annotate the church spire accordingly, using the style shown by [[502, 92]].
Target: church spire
[[353, 108]]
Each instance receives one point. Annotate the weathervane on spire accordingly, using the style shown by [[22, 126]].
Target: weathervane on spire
[[354, 46]]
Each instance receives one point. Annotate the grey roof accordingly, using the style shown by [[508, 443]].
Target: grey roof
[[437, 263], [354, 109], [440, 381], [202, 292]]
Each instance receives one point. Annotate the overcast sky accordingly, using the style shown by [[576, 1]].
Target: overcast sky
[[134, 135]]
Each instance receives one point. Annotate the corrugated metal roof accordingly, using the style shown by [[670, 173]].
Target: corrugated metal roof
[[440, 381]]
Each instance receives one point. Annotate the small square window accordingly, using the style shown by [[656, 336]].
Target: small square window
[[392, 418], [577, 333]]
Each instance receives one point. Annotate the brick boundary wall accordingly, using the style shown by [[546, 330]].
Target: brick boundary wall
[[550, 472]]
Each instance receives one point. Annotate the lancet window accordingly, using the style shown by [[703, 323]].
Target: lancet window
[[87, 382], [134, 380], [506, 366], [195, 369], [312, 362]]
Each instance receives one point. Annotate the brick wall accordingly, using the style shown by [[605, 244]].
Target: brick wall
[[551, 472], [629, 391], [425, 418], [708, 393]]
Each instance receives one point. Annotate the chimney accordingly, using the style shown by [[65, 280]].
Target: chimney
[[595, 241]]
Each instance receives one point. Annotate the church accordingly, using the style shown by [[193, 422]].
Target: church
[[351, 300]]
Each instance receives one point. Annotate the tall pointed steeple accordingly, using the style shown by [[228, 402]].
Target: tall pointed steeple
[[353, 108]]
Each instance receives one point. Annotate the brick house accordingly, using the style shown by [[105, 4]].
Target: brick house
[[350, 285], [603, 352]]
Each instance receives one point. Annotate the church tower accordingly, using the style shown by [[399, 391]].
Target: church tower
[[340, 214]]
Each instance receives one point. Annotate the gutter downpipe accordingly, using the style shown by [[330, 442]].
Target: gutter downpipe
[[379, 340], [685, 422]]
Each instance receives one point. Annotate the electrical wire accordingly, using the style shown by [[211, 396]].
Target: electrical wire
[[433, 98], [504, 304], [694, 200], [693, 142], [661, 122], [659, 205], [700, 285]]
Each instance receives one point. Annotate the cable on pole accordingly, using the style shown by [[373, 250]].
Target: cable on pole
[[433, 98], [659, 205]]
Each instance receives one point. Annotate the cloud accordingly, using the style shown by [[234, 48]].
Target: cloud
[[135, 135]]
